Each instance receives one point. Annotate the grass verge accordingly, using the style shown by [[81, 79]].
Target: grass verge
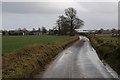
[[108, 49], [26, 62]]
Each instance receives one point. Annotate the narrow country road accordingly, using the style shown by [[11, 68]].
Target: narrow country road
[[78, 61]]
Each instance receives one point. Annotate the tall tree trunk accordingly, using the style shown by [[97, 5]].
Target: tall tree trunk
[[71, 28]]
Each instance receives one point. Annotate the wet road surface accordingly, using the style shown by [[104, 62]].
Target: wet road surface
[[77, 61]]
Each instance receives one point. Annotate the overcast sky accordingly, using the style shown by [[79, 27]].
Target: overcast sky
[[30, 15]]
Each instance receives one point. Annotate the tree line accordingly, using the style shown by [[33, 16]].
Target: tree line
[[24, 31]]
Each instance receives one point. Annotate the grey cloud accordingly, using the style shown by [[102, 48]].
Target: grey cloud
[[101, 7], [57, 7], [29, 7], [95, 15]]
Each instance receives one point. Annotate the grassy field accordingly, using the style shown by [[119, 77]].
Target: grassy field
[[35, 52], [12, 43], [108, 49]]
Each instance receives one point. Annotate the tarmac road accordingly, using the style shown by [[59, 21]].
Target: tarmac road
[[79, 60]]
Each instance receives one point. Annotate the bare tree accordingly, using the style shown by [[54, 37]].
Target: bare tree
[[43, 30], [74, 22], [39, 30], [62, 24], [67, 24], [33, 30]]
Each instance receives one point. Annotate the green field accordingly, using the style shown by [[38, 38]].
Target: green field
[[108, 49], [109, 39], [34, 54], [12, 43]]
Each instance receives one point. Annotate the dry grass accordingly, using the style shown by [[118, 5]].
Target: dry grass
[[108, 49], [31, 59]]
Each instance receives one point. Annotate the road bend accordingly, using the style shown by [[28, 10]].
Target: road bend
[[80, 60]]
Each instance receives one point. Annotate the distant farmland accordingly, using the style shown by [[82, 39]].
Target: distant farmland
[[12, 43]]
